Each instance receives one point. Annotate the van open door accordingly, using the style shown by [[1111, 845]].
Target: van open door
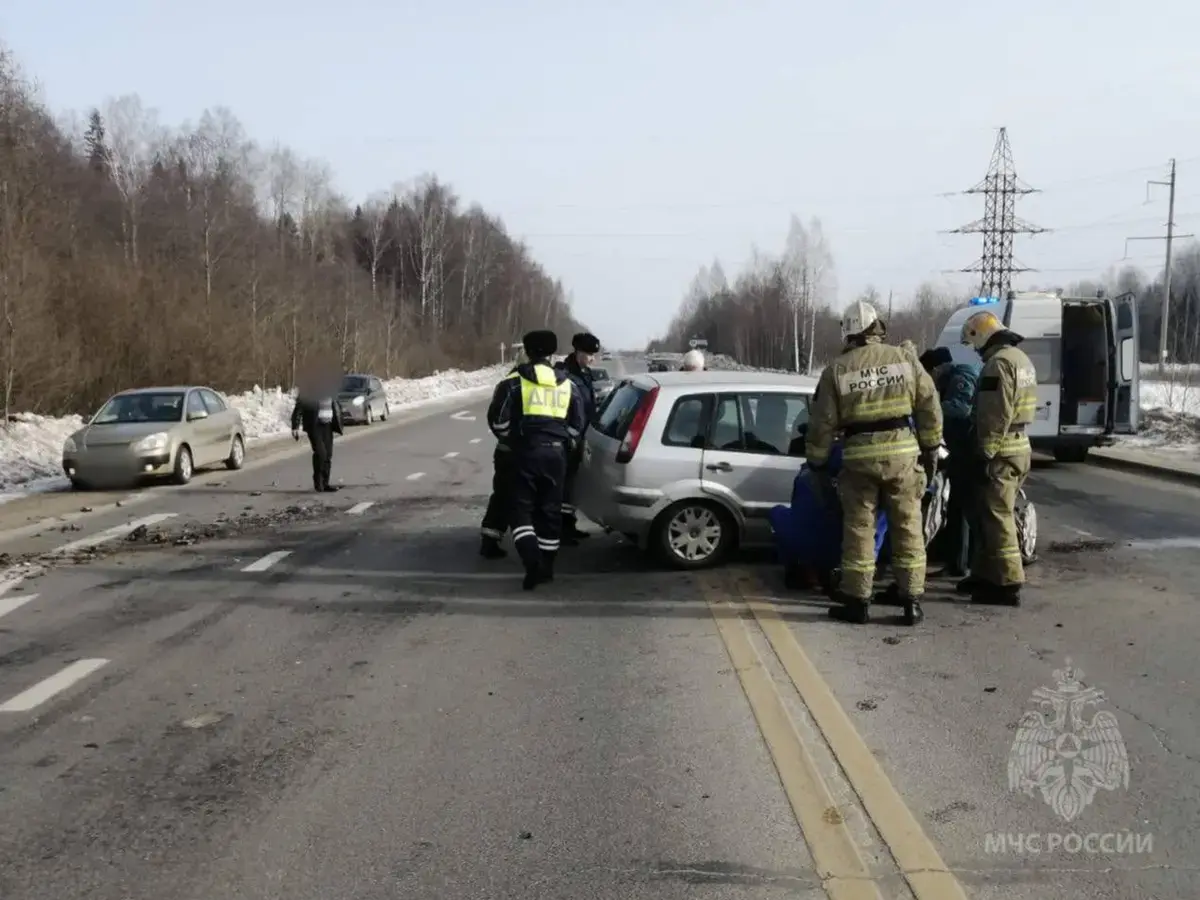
[[1124, 396]]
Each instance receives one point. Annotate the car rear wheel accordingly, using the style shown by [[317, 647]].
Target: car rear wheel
[[184, 466], [237, 454], [694, 534]]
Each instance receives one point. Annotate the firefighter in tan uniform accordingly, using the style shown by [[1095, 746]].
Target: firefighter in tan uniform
[[871, 394], [1004, 407]]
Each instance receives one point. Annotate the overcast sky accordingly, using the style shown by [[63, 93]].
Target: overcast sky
[[631, 143]]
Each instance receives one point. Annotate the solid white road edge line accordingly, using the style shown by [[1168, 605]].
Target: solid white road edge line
[[111, 534], [11, 604], [476, 440], [55, 684], [415, 475], [450, 455], [261, 565], [359, 508]]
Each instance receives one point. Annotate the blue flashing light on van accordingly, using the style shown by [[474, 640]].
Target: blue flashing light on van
[[983, 301]]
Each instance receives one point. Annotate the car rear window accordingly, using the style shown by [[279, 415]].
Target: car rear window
[[617, 413], [354, 383]]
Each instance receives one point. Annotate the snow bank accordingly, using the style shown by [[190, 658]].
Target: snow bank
[[31, 445]]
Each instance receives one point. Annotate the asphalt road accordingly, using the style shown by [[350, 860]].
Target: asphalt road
[[274, 694]]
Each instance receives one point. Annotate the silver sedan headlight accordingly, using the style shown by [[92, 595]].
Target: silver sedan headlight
[[152, 443]]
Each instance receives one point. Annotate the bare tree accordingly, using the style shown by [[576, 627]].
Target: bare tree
[[135, 138]]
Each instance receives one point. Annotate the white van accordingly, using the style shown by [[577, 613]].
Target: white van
[[1086, 354]]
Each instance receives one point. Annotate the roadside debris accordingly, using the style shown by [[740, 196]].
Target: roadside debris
[[1082, 545]]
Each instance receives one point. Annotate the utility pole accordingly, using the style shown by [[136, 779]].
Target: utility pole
[[1170, 239], [889, 315]]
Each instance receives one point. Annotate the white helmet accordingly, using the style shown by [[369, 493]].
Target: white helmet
[[860, 316], [693, 361]]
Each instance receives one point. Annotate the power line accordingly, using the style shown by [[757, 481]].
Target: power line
[[1000, 188]]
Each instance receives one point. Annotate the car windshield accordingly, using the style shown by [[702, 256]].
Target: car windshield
[[354, 383], [600, 374], [166, 406]]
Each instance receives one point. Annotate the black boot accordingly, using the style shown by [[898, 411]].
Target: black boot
[[318, 484], [533, 576], [968, 585], [548, 564], [913, 614], [850, 609], [331, 488], [489, 548], [986, 594]]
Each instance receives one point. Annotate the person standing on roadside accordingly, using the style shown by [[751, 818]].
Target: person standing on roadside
[[316, 413], [578, 367], [956, 384], [1005, 405], [540, 412], [499, 506], [885, 407]]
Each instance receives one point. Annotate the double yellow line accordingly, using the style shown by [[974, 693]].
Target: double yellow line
[[839, 864]]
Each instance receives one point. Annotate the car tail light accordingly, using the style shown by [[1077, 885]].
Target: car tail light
[[634, 435]]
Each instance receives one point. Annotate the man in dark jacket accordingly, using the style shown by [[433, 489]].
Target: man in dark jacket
[[540, 412], [317, 413], [956, 383], [577, 367], [498, 514]]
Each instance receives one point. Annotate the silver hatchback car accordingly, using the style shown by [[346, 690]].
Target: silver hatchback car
[[688, 464]]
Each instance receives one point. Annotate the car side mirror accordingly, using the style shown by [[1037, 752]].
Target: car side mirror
[[197, 414]]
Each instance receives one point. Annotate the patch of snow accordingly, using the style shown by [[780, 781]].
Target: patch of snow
[[31, 445]]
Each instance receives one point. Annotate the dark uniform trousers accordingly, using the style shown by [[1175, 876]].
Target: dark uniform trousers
[[498, 515], [570, 523], [320, 438], [541, 469]]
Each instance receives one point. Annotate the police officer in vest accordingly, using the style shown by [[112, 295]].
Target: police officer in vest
[[499, 506], [1005, 404], [869, 394], [577, 367], [317, 413], [539, 411]]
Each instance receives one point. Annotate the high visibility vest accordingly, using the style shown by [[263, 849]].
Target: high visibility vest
[[546, 398]]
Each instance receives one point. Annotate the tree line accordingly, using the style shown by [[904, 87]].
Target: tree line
[[134, 254], [782, 312]]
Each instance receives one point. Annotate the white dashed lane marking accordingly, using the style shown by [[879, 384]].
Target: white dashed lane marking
[[55, 684], [476, 440], [261, 565], [111, 534], [463, 415], [450, 455], [415, 475], [12, 604], [359, 508]]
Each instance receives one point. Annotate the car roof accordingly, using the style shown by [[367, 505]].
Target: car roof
[[178, 388], [716, 379]]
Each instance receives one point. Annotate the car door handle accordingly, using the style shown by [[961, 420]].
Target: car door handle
[[720, 467]]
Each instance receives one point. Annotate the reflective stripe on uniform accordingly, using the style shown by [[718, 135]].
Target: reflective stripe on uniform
[[568, 509], [883, 449], [547, 545]]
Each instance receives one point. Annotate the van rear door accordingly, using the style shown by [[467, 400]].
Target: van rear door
[[1124, 386]]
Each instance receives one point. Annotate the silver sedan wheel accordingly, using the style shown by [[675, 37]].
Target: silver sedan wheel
[[694, 533]]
